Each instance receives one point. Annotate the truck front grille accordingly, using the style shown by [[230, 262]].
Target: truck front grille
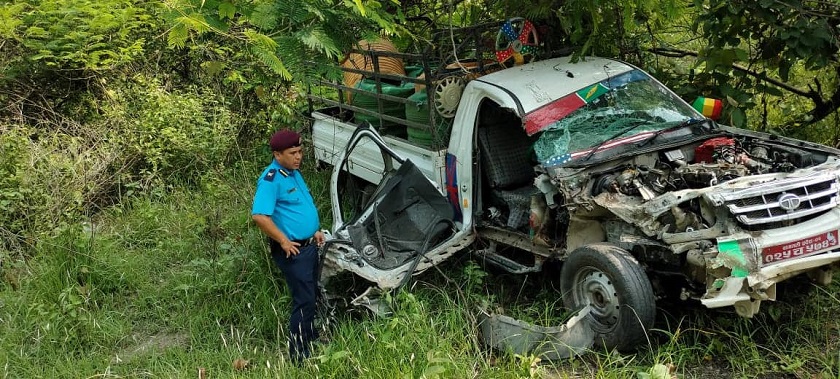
[[783, 202]]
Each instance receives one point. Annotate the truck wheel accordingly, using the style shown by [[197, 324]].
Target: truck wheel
[[612, 282]]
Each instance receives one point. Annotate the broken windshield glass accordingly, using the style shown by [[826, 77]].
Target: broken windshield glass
[[625, 108]]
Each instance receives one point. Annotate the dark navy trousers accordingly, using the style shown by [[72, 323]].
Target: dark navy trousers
[[300, 272]]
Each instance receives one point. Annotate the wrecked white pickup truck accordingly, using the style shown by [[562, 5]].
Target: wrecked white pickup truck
[[599, 166]]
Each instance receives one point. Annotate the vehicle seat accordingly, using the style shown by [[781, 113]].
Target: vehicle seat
[[505, 155]]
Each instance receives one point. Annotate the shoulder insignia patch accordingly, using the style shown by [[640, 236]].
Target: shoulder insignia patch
[[270, 176]]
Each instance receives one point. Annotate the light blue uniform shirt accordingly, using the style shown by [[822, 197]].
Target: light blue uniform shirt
[[283, 195]]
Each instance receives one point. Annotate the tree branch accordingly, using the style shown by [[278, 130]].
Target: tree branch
[[679, 53], [822, 107]]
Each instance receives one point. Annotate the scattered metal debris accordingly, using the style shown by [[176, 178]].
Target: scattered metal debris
[[554, 342]]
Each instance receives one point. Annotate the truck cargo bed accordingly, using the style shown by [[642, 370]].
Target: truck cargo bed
[[330, 136]]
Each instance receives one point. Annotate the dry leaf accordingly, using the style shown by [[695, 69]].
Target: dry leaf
[[240, 364]]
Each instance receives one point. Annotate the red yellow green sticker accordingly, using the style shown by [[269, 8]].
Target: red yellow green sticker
[[542, 117]]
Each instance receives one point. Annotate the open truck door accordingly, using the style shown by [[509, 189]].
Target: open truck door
[[401, 226]]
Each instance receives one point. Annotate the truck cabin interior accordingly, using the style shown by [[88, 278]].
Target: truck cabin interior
[[507, 165]]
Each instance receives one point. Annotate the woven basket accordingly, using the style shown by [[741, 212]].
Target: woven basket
[[387, 65]]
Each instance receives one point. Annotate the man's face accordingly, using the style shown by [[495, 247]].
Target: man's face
[[289, 158]]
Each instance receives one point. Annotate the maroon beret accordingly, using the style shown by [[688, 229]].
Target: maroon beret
[[284, 139]]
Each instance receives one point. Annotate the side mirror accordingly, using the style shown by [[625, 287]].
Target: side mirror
[[709, 107]]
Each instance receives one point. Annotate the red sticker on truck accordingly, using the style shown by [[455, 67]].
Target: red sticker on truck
[[800, 248]]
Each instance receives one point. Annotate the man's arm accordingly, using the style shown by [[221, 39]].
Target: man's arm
[[268, 228]]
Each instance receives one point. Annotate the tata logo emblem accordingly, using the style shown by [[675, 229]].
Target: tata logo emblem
[[789, 202]]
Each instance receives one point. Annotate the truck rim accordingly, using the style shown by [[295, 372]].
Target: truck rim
[[595, 288]]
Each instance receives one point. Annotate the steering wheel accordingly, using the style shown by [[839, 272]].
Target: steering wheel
[[517, 39]]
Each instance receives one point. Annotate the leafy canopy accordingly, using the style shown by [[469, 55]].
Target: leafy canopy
[[73, 34], [281, 35]]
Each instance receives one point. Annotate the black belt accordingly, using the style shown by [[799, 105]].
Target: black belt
[[305, 242]]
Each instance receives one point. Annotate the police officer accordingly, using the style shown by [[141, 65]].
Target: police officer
[[284, 210]]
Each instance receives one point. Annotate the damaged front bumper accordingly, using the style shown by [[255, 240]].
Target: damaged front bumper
[[761, 260], [761, 230], [519, 337], [746, 293]]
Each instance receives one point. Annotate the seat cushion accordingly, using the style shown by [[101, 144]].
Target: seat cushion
[[505, 155]]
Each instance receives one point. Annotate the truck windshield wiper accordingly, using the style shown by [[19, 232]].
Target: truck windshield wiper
[[614, 136], [689, 122]]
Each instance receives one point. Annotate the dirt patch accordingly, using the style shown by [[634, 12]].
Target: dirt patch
[[715, 371], [710, 370], [142, 345]]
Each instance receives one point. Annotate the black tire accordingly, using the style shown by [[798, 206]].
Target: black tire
[[611, 280]]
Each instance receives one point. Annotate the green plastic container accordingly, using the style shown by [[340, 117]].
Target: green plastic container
[[390, 108], [413, 71], [418, 111]]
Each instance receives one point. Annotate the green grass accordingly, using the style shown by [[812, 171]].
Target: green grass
[[164, 285]]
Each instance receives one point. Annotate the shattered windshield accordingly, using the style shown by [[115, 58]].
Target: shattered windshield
[[627, 108]]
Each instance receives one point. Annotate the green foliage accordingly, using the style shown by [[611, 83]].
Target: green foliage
[[146, 138], [13, 145], [412, 343], [10, 20], [783, 32], [263, 49], [473, 277], [278, 35], [168, 136], [49, 181], [73, 34], [771, 39], [64, 305]]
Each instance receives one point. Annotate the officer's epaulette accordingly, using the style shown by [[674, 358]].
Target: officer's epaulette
[[270, 176], [283, 172]]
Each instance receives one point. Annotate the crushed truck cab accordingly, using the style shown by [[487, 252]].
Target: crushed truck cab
[[599, 166]]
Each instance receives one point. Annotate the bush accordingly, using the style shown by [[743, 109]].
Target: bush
[[169, 136], [12, 168], [48, 181], [72, 34], [147, 138]]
